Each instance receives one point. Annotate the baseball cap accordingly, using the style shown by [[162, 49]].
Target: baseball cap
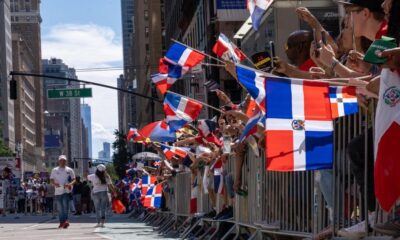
[[62, 157], [372, 5], [101, 167]]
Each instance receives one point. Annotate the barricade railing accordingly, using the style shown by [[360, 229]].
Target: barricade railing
[[294, 201]]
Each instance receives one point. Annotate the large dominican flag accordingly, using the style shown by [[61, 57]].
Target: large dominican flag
[[180, 110], [299, 130], [183, 56], [254, 83], [153, 197], [171, 151], [147, 182], [387, 140], [343, 101], [228, 51]]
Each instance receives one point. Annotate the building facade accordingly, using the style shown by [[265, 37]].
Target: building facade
[[7, 133], [63, 122], [25, 22], [86, 113]]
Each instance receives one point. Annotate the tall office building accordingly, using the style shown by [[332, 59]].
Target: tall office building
[[105, 154], [25, 22], [86, 114], [63, 116], [7, 132]]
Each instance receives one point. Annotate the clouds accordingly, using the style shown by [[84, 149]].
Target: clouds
[[90, 46], [82, 46]]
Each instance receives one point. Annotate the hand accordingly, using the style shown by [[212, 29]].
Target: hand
[[280, 66], [317, 72], [355, 62], [393, 58], [231, 68], [308, 17], [222, 96], [326, 54], [57, 185]]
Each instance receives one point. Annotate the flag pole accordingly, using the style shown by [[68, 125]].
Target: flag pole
[[216, 59], [205, 104], [212, 64]]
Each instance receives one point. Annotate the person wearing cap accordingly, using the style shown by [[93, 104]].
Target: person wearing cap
[[101, 182], [63, 179]]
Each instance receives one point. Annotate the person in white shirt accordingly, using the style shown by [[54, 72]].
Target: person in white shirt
[[63, 178], [101, 182]]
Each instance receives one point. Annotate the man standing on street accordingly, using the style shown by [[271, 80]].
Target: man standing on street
[[63, 179], [77, 195]]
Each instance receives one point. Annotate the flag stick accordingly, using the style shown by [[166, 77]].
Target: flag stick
[[216, 59], [205, 104], [212, 64]]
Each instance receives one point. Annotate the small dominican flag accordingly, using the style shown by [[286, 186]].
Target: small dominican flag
[[218, 177], [254, 83], [193, 196], [173, 70], [153, 197], [257, 9], [157, 163], [135, 184], [133, 135], [228, 51], [162, 81], [183, 56], [299, 129], [171, 151], [147, 182], [251, 125], [343, 101], [180, 111]]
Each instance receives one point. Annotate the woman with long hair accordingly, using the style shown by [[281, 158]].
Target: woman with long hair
[[101, 183]]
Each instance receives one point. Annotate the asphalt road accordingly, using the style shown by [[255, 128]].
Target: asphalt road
[[117, 227]]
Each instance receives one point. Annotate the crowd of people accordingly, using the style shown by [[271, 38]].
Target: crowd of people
[[312, 55]]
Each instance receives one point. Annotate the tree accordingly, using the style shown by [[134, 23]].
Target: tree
[[120, 157], [4, 150], [111, 171]]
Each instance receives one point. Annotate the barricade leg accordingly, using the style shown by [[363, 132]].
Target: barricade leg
[[191, 228], [229, 232]]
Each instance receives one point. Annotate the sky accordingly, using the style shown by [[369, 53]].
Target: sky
[[87, 34]]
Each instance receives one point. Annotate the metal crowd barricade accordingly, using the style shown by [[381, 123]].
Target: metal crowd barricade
[[292, 201]]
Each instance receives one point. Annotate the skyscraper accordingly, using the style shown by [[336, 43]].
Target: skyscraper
[[25, 21], [7, 132], [86, 114], [63, 116]]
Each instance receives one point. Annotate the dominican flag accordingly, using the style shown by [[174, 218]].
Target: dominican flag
[[153, 197], [162, 81], [157, 163], [157, 132], [254, 83], [343, 101], [180, 111], [147, 182], [257, 9], [251, 125], [218, 177], [387, 141], [228, 51], [299, 129], [133, 135], [206, 126], [171, 151], [136, 184], [183, 56]]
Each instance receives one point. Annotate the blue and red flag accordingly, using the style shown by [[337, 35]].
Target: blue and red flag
[[157, 163], [227, 50], [218, 177], [180, 111], [153, 197], [183, 56], [171, 151], [343, 101], [147, 182], [299, 129], [257, 9], [157, 132], [133, 135], [251, 125], [254, 83], [194, 195], [136, 184]]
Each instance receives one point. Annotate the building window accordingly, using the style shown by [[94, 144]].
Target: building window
[[146, 32], [146, 14]]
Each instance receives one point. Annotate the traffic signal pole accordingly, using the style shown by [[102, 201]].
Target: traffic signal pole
[[13, 85]]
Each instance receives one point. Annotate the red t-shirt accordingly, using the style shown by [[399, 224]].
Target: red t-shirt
[[305, 66], [383, 29]]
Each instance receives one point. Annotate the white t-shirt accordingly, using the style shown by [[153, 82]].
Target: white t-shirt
[[62, 176], [97, 185]]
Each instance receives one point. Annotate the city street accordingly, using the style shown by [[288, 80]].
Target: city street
[[81, 228]]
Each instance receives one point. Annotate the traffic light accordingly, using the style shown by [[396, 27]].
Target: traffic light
[[13, 89]]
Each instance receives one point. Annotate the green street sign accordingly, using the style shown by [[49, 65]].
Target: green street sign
[[69, 93]]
